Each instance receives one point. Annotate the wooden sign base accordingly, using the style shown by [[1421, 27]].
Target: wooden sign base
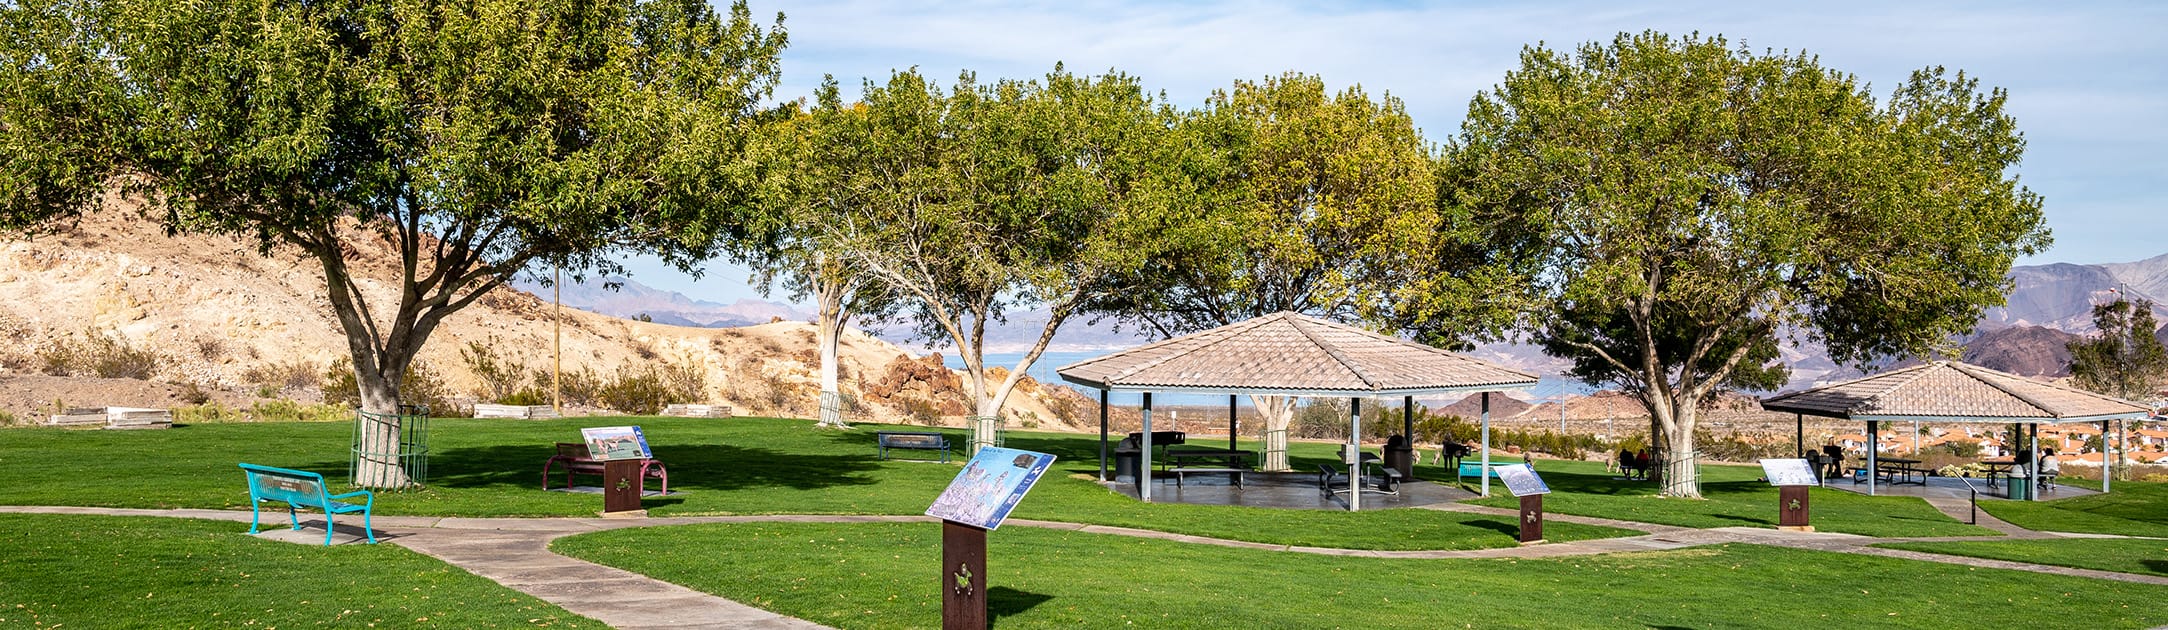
[[622, 486], [1792, 509], [963, 577], [1531, 519]]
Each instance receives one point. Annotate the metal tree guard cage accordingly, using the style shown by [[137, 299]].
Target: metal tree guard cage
[[831, 409], [412, 455]]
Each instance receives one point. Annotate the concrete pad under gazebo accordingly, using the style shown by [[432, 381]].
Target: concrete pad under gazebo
[[1950, 391], [1289, 354]]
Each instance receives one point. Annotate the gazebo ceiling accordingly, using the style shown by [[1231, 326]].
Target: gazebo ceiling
[[1293, 354], [1949, 391]]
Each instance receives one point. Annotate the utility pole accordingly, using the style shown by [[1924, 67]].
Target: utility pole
[[557, 345]]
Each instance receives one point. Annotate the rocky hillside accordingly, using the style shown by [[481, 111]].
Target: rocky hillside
[[2022, 350], [211, 315]]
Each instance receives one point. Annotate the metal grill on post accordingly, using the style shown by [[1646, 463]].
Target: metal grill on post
[[411, 454]]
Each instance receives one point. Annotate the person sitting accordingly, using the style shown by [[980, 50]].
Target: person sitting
[[1833, 461], [2049, 468], [2022, 461]]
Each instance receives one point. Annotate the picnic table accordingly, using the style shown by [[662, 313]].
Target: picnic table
[[1898, 470], [1997, 468], [1202, 460]]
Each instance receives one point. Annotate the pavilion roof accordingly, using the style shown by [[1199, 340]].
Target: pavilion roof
[[1950, 391], [1293, 354]]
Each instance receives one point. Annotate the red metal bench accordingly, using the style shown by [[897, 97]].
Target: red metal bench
[[574, 457]]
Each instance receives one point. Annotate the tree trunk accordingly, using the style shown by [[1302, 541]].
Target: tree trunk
[[1278, 412], [829, 329], [1680, 476], [378, 464]]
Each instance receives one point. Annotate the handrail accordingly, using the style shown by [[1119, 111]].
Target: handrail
[[1974, 518]]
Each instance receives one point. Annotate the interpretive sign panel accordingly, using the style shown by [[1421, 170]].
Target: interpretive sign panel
[[1788, 472], [1522, 480], [989, 486], [608, 443]]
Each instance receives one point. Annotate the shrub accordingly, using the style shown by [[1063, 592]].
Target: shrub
[[921, 411], [194, 393], [6, 419], [207, 413], [101, 355], [499, 376], [284, 375], [636, 391], [291, 411]]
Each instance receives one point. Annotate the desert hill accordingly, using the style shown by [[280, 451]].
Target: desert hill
[[217, 318]]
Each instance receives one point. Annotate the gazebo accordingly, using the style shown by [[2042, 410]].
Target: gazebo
[[1950, 391], [1289, 354]]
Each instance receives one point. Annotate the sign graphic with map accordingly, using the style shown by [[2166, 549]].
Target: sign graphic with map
[[1522, 480], [1788, 472], [608, 443], [990, 485]]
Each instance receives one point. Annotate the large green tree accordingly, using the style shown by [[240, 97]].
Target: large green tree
[[1694, 204], [818, 164], [466, 139], [2124, 359], [987, 200], [1319, 200]]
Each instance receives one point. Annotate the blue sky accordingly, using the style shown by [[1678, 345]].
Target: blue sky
[[2086, 80]]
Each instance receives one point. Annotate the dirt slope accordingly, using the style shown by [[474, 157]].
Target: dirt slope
[[213, 310]]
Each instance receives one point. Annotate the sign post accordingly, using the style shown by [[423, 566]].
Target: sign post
[[1523, 482], [1791, 477], [978, 500], [622, 450]]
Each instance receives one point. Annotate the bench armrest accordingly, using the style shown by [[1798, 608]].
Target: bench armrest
[[357, 493]]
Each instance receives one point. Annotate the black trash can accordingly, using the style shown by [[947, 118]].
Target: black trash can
[[1400, 455], [1126, 459]]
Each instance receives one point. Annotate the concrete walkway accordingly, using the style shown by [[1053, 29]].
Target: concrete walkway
[[515, 552]]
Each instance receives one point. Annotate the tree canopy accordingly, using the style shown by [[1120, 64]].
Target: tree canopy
[[1693, 205]]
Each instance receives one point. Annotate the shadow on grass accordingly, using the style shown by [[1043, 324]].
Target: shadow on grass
[[2159, 566], [1504, 527], [1744, 519], [1002, 601], [691, 467]]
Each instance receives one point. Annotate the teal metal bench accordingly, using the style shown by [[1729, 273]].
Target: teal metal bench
[[1475, 469], [299, 489]]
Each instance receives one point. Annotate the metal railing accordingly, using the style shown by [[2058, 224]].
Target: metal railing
[[1974, 518], [406, 465]]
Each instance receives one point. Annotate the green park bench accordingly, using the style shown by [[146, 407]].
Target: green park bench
[[299, 489]]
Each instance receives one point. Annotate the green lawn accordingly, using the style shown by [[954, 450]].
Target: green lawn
[[2130, 508], [1734, 496], [733, 466], [115, 572], [880, 576], [2127, 555]]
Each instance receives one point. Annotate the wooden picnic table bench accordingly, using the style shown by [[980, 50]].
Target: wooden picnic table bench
[[913, 440], [574, 456], [299, 489]]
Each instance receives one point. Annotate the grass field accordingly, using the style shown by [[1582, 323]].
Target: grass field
[[2126, 555], [115, 572], [1734, 496], [877, 576], [2131, 508], [734, 466]]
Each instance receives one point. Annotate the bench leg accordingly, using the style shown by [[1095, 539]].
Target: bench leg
[[366, 527], [328, 529], [295, 519], [255, 514]]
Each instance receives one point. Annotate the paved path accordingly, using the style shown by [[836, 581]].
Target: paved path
[[515, 552]]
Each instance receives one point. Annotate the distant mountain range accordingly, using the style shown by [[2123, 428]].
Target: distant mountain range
[[623, 297], [2048, 306]]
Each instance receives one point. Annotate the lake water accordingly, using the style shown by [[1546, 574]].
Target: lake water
[[1549, 386]]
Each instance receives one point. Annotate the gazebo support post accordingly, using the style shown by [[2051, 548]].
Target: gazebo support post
[[1144, 459], [1231, 444], [1354, 454], [1407, 432], [1800, 437], [1102, 435], [2107, 457], [1485, 474], [1874, 443], [2032, 473]]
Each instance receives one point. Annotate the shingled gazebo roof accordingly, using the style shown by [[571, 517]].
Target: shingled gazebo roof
[[1292, 354], [1946, 391]]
